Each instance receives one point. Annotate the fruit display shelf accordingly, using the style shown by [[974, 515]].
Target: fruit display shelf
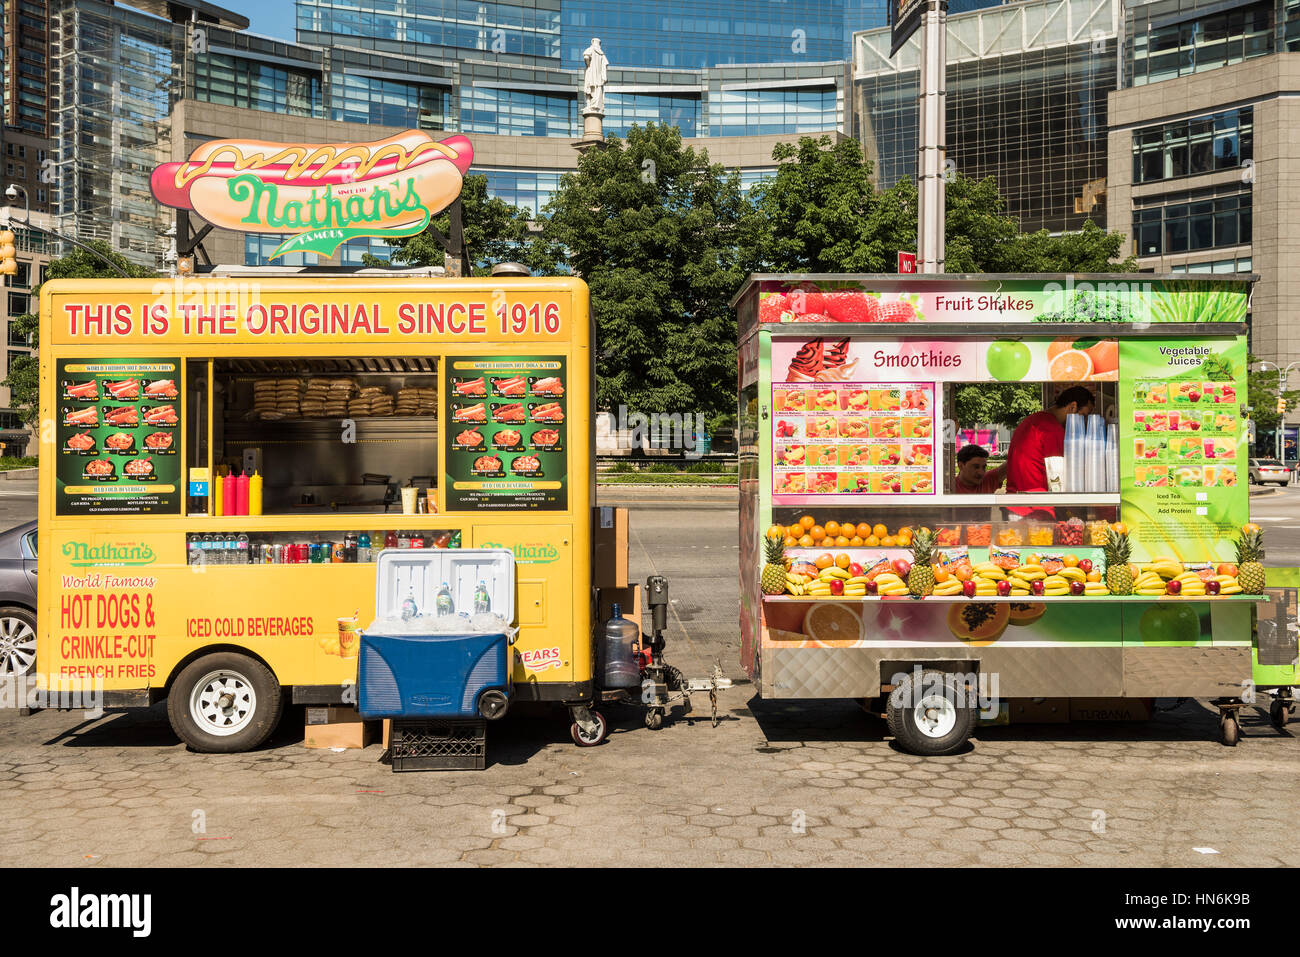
[[1052, 599]]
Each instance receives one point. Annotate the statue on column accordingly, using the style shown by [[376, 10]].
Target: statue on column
[[593, 80]]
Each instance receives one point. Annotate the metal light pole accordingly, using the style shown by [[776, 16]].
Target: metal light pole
[[933, 138], [11, 192]]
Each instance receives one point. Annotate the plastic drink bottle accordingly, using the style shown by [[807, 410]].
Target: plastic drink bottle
[[444, 605], [482, 603], [620, 670]]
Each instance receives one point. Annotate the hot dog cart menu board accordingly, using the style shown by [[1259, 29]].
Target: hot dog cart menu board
[[506, 433], [118, 437], [1183, 446]]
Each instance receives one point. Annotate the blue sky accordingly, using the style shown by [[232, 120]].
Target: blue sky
[[272, 18]]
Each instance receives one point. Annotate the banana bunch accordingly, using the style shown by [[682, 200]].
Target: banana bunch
[[1192, 584], [1095, 588], [1167, 568], [1228, 584], [1149, 583], [856, 586], [797, 584], [887, 583], [952, 586], [987, 576]]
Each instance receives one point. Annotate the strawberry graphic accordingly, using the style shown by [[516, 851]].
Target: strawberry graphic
[[847, 306], [897, 312], [807, 301], [772, 305]]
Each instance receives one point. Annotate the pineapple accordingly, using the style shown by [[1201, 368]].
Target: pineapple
[[920, 580], [773, 580], [1250, 566], [1119, 579]]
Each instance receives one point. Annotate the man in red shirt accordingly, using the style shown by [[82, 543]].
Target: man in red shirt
[[973, 474], [1041, 436]]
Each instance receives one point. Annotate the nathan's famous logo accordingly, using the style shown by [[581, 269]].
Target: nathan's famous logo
[[534, 553], [130, 553], [325, 193]]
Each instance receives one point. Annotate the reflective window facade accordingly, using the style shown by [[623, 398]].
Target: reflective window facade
[[517, 113], [530, 189], [351, 252], [364, 99], [625, 110], [259, 246], [1240, 264], [795, 110], [236, 81], [1205, 219], [1199, 145], [1161, 51]]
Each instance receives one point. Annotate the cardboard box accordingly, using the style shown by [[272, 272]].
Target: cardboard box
[[1111, 709], [388, 730], [1040, 710], [337, 726], [629, 602], [610, 537]]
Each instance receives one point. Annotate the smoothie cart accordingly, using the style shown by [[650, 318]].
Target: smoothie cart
[[868, 573]]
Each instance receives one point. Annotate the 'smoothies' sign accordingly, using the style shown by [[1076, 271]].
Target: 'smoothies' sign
[[323, 193]]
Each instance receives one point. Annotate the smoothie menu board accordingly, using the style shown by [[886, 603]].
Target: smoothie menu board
[[1183, 446], [853, 437], [506, 433], [118, 434]]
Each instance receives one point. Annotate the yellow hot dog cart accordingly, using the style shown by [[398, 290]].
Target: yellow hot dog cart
[[174, 412]]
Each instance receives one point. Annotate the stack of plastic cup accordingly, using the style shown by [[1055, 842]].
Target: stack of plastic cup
[[1112, 458], [1096, 442], [1075, 454]]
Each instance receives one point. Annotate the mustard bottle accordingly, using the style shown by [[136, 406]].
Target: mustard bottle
[[255, 494], [218, 493]]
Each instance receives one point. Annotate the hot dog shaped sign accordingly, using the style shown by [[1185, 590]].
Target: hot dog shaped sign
[[324, 193]]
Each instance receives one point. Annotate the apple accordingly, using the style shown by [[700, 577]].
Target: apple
[[1085, 565], [1194, 426], [968, 588], [855, 569], [1036, 587], [837, 587], [1212, 587], [1174, 586], [872, 587], [1227, 568], [902, 567], [1076, 588], [1194, 396], [1004, 588]]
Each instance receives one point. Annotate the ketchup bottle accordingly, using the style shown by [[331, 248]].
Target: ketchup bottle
[[241, 494], [228, 494]]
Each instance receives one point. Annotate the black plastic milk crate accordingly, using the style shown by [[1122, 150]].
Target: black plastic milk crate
[[438, 745]]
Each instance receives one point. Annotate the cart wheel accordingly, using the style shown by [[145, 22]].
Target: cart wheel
[[654, 719], [1229, 731], [584, 739], [929, 713], [1280, 712], [224, 703]]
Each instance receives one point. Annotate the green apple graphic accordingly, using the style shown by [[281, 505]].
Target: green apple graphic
[[1008, 360], [1169, 623]]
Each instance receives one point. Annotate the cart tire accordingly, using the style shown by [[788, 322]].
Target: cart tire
[[654, 719], [931, 718], [1229, 731], [584, 740], [1280, 713], [224, 703]]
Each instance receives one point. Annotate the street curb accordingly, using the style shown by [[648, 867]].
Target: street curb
[[13, 475]]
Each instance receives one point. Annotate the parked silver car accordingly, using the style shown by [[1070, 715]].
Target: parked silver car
[[18, 600], [1269, 470]]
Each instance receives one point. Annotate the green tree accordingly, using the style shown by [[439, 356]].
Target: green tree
[[660, 235], [995, 403], [23, 380], [495, 232], [1263, 389]]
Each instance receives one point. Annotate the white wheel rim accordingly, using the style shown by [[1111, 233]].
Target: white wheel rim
[[17, 646], [223, 703], [934, 716]]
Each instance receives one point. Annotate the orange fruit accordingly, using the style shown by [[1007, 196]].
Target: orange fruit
[[940, 573], [862, 529], [1119, 528], [843, 560], [905, 538], [1093, 576], [1034, 560], [871, 541], [791, 541], [880, 531], [828, 621], [1071, 561], [824, 560], [856, 542], [807, 522], [776, 531], [889, 541], [806, 542], [1104, 356], [817, 533], [964, 572], [1249, 528], [1069, 366], [849, 529], [842, 541], [905, 530], [1059, 345], [833, 529]]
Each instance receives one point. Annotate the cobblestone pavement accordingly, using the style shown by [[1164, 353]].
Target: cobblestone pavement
[[773, 784]]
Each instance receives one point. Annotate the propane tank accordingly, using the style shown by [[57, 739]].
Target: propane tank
[[621, 669]]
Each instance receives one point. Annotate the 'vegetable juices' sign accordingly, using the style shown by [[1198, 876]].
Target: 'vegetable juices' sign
[[324, 193]]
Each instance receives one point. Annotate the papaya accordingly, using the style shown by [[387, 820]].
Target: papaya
[[1023, 612], [978, 622]]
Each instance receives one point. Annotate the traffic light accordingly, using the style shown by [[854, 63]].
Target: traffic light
[[8, 264], [1281, 406]]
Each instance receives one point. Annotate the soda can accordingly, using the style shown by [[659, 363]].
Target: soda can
[[336, 553], [417, 541], [277, 554], [268, 554]]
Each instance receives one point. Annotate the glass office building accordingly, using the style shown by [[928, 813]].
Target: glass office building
[[1026, 105]]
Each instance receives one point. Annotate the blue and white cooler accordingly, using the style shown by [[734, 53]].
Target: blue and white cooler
[[439, 646]]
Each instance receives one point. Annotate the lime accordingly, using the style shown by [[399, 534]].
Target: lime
[[1007, 360]]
